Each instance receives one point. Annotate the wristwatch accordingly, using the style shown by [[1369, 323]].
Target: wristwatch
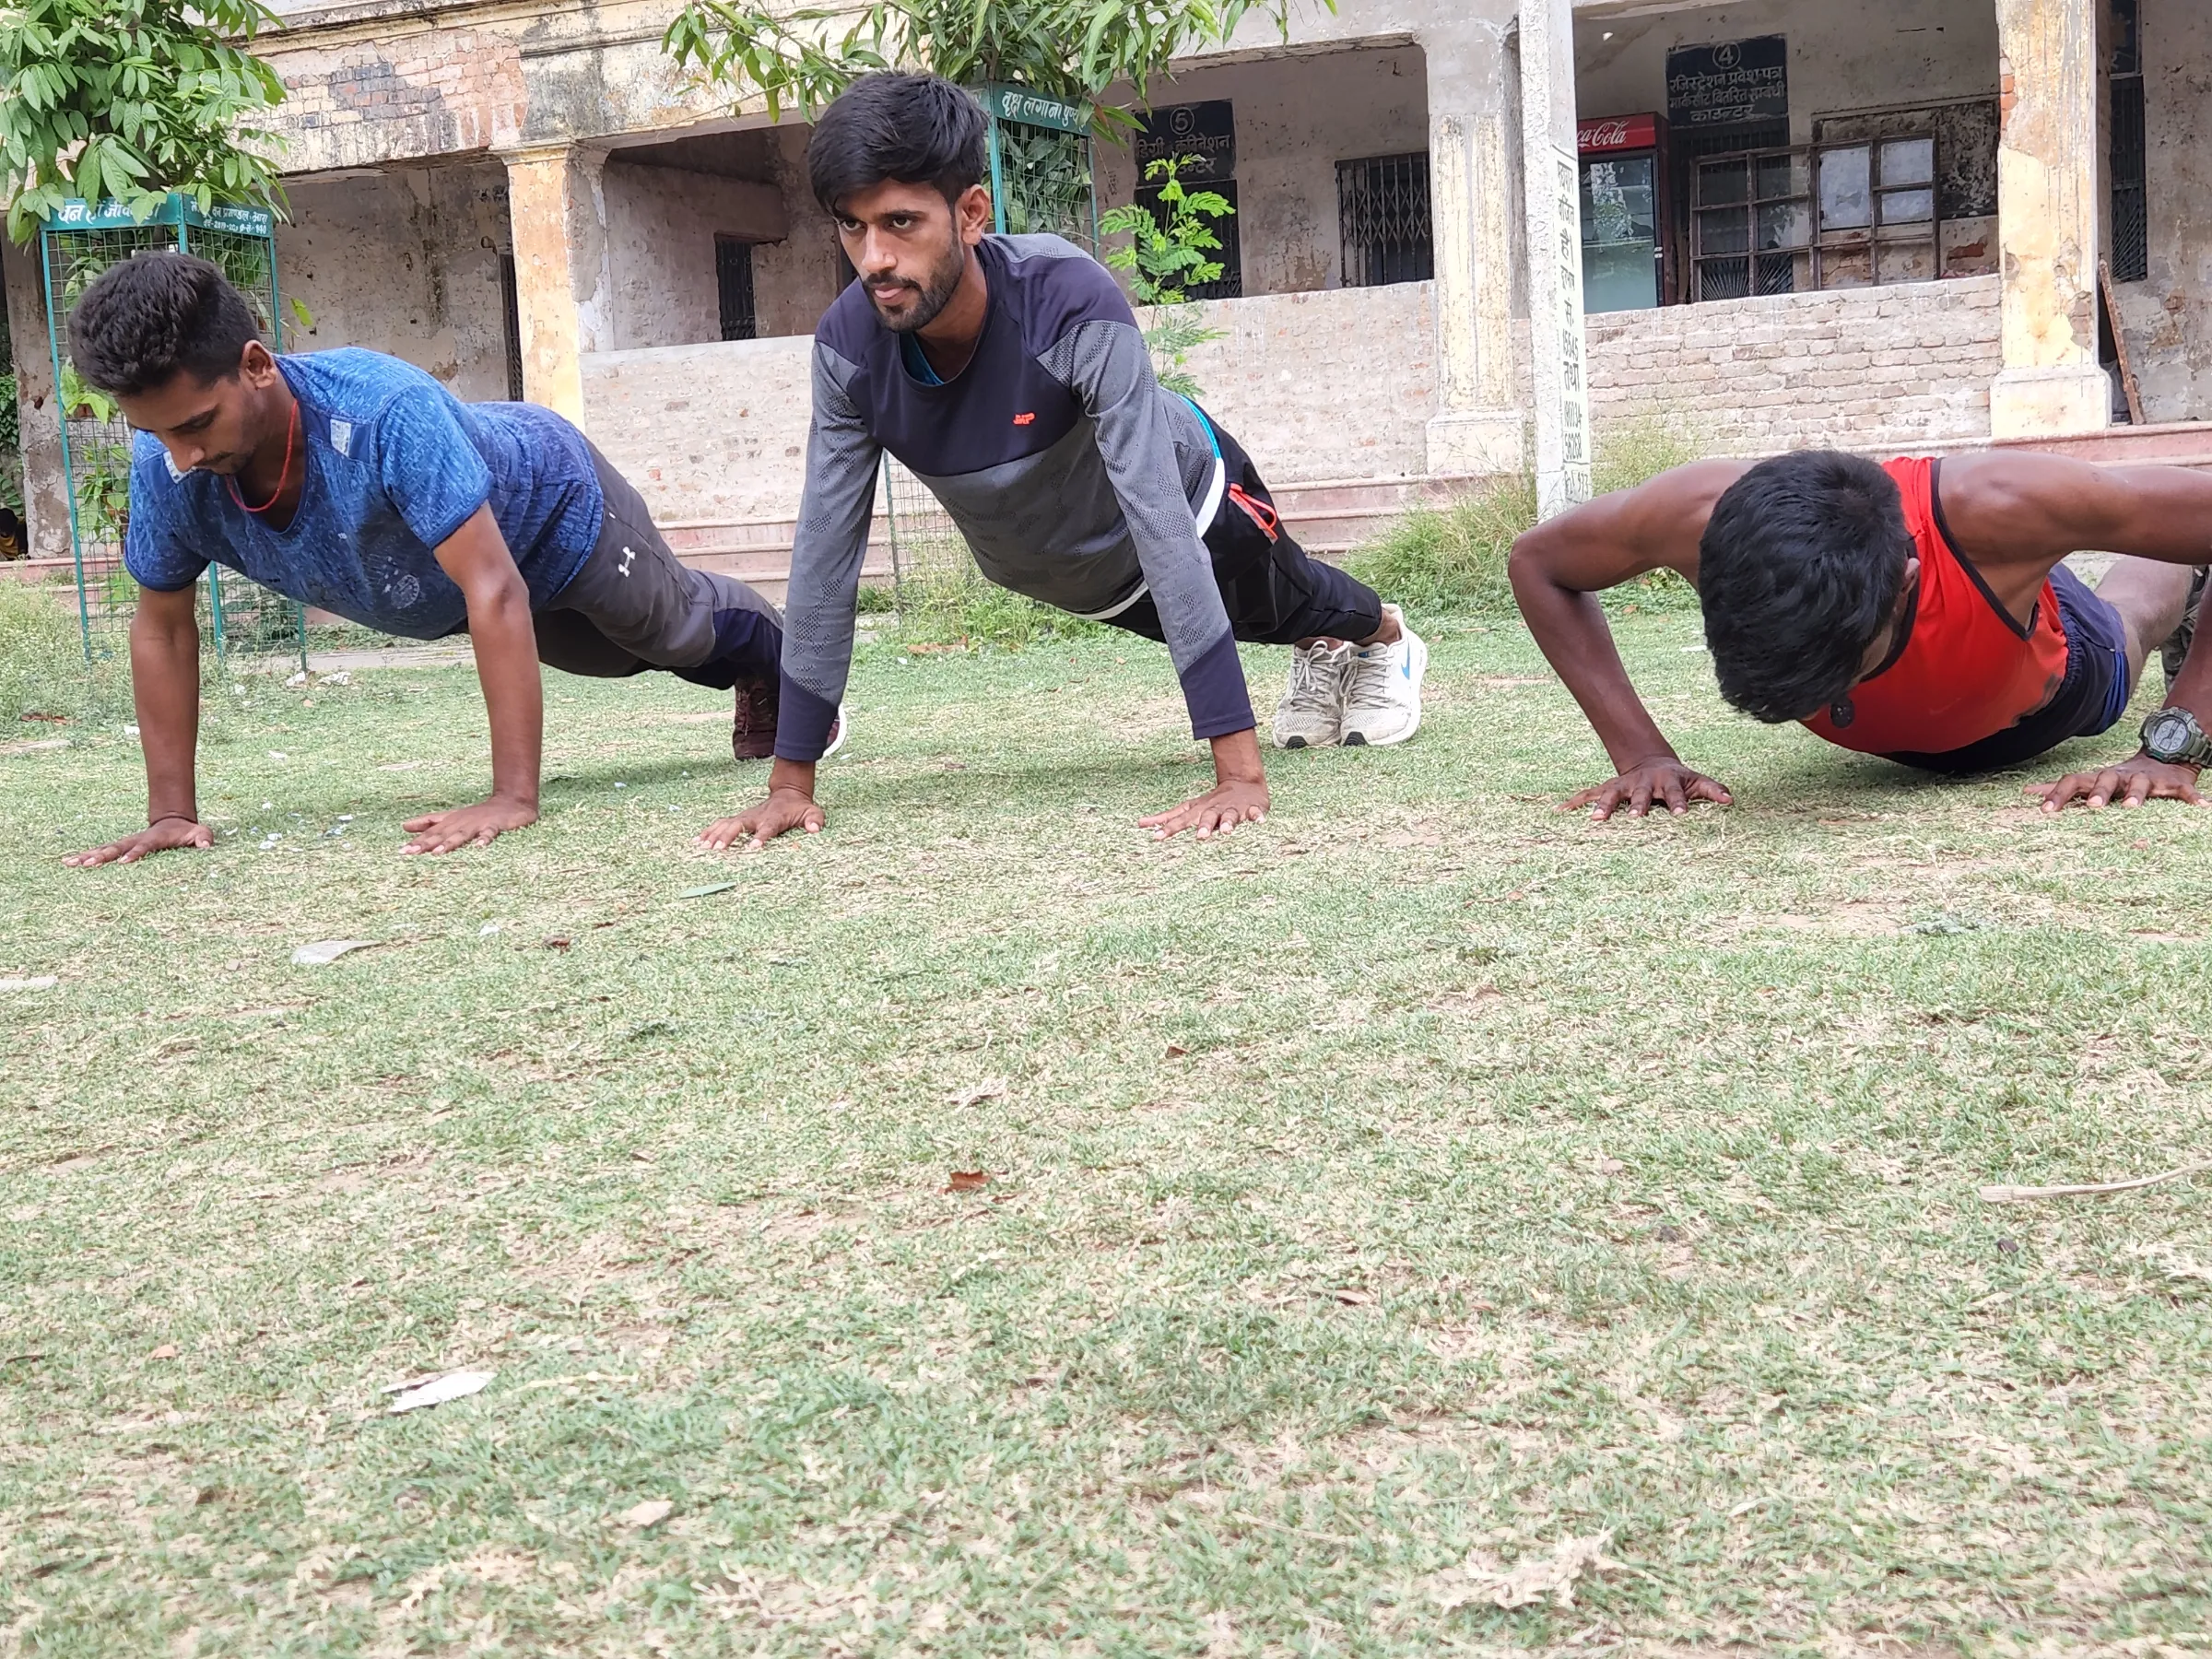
[[2172, 735]]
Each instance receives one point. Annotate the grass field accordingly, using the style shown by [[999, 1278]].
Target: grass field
[[1376, 1202]]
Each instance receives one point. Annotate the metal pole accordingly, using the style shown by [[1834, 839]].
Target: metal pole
[[54, 343], [998, 194]]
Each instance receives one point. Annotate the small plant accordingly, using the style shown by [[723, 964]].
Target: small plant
[[103, 499], [81, 402], [1166, 256]]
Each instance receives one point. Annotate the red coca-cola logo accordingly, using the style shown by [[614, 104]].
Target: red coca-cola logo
[[1617, 133]]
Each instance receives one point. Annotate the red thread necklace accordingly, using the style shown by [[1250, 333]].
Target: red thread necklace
[[290, 433]]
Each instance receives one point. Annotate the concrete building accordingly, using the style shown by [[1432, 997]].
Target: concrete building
[[1872, 222]]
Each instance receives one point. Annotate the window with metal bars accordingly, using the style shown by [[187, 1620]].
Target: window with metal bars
[[1819, 215], [734, 287], [511, 316], [1383, 211], [2125, 167]]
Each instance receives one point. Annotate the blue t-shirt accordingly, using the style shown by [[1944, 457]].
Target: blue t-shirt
[[395, 463]]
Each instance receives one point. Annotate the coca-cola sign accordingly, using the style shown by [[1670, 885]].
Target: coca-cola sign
[[1610, 133]]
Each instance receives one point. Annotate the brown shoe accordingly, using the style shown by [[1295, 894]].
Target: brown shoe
[[753, 730]]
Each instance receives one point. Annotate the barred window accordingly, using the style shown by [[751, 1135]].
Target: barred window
[[511, 315], [2125, 167], [1383, 209], [734, 285]]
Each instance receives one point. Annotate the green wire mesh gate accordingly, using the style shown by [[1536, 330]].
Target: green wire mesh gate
[[77, 243], [1041, 180]]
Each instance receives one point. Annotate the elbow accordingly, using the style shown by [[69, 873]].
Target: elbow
[[1524, 563]]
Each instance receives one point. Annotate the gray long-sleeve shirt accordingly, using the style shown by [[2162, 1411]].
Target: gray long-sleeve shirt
[[1075, 477]]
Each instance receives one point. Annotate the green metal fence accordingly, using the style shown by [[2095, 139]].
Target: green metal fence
[[78, 241]]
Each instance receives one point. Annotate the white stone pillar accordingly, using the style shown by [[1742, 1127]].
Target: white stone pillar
[[2047, 221], [1551, 200], [1477, 425], [564, 286]]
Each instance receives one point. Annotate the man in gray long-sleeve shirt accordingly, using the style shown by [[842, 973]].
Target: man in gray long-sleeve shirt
[[1010, 375]]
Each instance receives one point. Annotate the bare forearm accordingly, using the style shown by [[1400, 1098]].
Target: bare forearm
[[506, 651], [1570, 628], [165, 690], [792, 774], [1237, 758]]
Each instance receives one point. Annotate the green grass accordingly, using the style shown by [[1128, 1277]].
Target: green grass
[[1419, 1175], [1452, 557]]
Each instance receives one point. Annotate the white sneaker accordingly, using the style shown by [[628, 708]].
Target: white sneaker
[[1382, 689], [1312, 712]]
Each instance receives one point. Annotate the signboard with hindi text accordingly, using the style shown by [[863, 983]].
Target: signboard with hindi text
[[1207, 133], [1732, 84]]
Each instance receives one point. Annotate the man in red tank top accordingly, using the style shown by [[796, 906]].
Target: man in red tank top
[[1918, 610]]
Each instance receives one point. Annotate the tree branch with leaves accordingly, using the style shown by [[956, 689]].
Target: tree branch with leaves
[[1072, 50], [132, 99]]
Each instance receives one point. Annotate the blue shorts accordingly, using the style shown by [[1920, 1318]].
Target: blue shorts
[[2090, 699]]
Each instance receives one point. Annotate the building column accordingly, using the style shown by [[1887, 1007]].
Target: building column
[[46, 487], [1551, 199], [1478, 425], [2047, 221], [564, 286]]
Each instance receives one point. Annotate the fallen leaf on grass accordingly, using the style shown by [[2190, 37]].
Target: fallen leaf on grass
[[323, 952], [651, 1513], [49, 719], [990, 1088], [1478, 1579], [967, 1181], [554, 942], [437, 1391], [707, 891], [168, 1350], [43, 981], [1176, 1051]]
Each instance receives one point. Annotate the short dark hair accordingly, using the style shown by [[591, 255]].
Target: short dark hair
[[1798, 570], [910, 129], [157, 315]]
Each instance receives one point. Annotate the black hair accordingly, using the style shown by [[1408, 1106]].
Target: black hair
[[154, 316], [1798, 570], [910, 129]]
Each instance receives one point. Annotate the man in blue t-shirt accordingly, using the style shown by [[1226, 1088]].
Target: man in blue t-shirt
[[354, 482]]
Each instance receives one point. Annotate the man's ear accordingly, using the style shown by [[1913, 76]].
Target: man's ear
[[256, 367], [1908, 587], [972, 214]]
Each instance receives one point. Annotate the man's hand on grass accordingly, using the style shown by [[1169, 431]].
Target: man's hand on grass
[[784, 810], [163, 835], [477, 826], [1216, 812], [1665, 781], [2130, 783]]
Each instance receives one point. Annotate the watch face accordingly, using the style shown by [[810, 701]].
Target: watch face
[[2166, 735]]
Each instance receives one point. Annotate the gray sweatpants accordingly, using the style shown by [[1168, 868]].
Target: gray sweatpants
[[634, 606]]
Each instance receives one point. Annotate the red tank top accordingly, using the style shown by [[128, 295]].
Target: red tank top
[[1968, 670]]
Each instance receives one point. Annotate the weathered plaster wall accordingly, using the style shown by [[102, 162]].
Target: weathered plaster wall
[[710, 434], [405, 261], [661, 226], [1869, 368], [1844, 55], [2167, 320], [796, 279], [1295, 118]]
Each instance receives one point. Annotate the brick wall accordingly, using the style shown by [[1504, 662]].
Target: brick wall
[[1875, 368], [1330, 385]]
